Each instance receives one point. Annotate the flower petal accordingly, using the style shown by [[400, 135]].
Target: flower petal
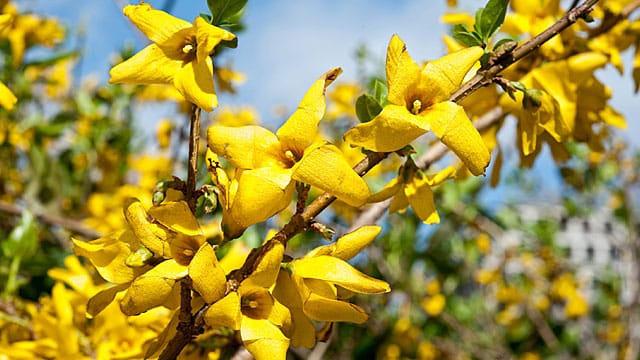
[[246, 147], [264, 340], [250, 206], [394, 128], [326, 168], [441, 77], [109, 255], [418, 192], [194, 80], [7, 99], [301, 129], [208, 37], [153, 288], [177, 216], [303, 332], [450, 123], [266, 271], [157, 25], [339, 272], [149, 66], [387, 191], [102, 299], [349, 245], [225, 312], [403, 73], [208, 276], [323, 309]]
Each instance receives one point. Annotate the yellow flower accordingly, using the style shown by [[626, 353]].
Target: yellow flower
[[261, 319], [273, 162], [433, 305], [314, 287], [163, 133], [147, 260], [7, 99], [180, 55], [419, 98], [413, 187]]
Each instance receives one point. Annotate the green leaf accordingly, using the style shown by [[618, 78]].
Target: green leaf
[[23, 239], [221, 10], [367, 108], [380, 91], [490, 18], [464, 35]]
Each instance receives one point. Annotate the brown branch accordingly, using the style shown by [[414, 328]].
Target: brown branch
[[612, 20], [192, 170], [485, 77], [74, 226], [186, 329]]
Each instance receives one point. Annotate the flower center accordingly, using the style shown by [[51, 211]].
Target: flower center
[[188, 48], [416, 106]]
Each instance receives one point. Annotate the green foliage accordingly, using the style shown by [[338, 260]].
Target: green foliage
[[488, 21], [224, 11]]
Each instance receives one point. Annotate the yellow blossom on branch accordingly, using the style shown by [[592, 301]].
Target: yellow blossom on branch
[[273, 162], [316, 286], [180, 55], [261, 319], [419, 102], [413, 187], [147, 260]]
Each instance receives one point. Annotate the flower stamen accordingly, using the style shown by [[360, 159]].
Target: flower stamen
[[416, 107]]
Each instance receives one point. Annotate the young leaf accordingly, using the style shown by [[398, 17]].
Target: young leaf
[[380, 91], [490, 18], [466, 36], [221, 10], [367, 108]]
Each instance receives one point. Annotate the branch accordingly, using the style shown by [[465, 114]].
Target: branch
[[72, 225], [484, 77], [186, 328], [192, 170]]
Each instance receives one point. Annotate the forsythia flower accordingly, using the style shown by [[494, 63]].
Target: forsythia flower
[[252, 309], [180, 55], [413, 187], [419, 98], [314, 287], [147, 260], [7, 99], [273, 162]]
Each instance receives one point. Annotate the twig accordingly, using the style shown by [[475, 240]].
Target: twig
[[611, 21], [186, 328], [484, 77], [74, 226], [192, 170]]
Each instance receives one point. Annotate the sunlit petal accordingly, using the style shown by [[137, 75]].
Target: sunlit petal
[[301, 129], [339, 272], [394, 128], [157, 25], [326, 168], [450, 123]]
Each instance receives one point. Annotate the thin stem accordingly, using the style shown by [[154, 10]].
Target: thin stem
[[484, 77], [185, 329], [192, 169], [74, 226]]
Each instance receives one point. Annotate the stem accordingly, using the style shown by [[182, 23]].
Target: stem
[[192, 170], [186, 328], [74, 226], [484, 77]]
